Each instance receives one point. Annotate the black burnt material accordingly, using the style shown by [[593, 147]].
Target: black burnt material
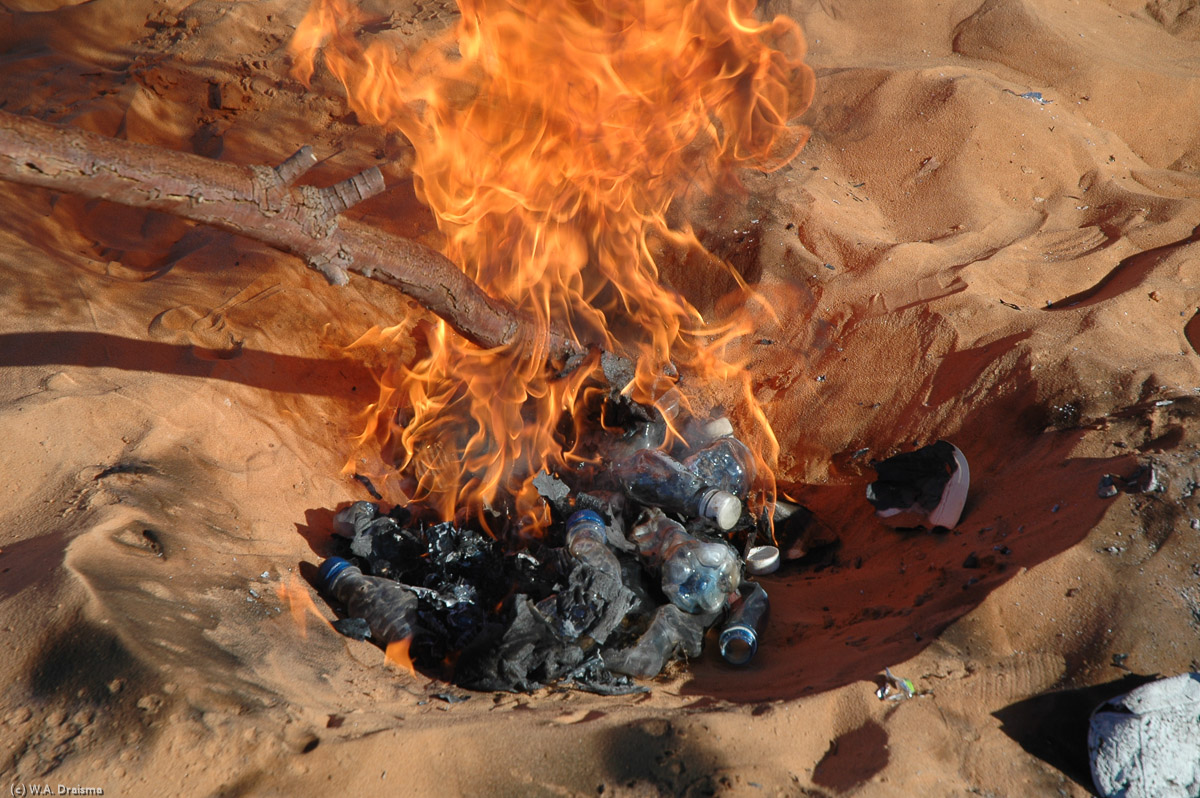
[[506, 620], [912, 479], [633, 571]]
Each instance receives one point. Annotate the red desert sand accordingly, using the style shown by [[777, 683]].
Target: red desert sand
[[991, 238]]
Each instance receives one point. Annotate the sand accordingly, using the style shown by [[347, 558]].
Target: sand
[[991, 238]]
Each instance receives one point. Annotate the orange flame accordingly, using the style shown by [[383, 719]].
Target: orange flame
[[551, 140], [300, 604], [397, 654]]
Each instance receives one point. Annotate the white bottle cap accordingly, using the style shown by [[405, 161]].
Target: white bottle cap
[[762, 560], [723, 508]]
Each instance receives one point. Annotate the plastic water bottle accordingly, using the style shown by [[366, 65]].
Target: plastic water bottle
[[671, 631], [697, 575], [587, 541], [650, 433], [388, 607], [653, 478], [739, 635], [726, 463]]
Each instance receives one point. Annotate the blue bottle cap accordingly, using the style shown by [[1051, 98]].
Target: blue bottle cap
[[582, 516], [330, 569]]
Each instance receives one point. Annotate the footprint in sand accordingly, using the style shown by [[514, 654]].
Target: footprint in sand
[[1129, 273], [1056, 246], [206, 331]]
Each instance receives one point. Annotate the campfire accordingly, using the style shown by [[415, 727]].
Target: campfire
[[574, 463], [544, 513], [558, 146]]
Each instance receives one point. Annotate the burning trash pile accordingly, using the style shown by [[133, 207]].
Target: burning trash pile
[[568, 517], [637, 565]]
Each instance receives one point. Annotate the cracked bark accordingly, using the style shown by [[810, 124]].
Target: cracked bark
[[260, 202]]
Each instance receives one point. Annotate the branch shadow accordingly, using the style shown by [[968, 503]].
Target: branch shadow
[[335, 377]]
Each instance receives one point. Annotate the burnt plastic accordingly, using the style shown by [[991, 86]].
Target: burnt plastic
[[671, 631], [587, 541], [726, 463], [388, 607], [651, 477], [739, 635], [698, 575]]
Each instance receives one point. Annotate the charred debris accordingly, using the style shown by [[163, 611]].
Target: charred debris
[[641, 560]]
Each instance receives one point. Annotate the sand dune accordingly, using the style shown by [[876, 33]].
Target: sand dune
[[991, 237]]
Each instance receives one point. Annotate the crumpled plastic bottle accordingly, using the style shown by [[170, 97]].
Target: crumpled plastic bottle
[[697, 575], [672, 631], [388, 607], [587, 541], [651, 477], [726, 463], [648, 433], [594, 601]]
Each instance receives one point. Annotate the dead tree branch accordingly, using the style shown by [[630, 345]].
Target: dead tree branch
[[260, 203]]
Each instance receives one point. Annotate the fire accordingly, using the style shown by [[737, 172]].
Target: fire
[[300, 604], [397, 654], [555, 142]]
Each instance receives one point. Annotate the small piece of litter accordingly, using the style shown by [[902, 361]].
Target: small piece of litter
[[451, 698], [1107, 487], [895, 688]]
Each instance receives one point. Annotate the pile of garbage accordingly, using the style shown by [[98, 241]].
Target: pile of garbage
[[638, 566]]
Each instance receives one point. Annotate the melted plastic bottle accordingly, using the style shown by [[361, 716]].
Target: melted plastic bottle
[[726, 463], [388, 607], [595, 600], [587, 541], [672, 631], [697, 575], [650, 433], [653, 478], [739, 635]]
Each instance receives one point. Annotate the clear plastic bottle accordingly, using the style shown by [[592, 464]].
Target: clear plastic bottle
[[726, 463], [649, 433], [739, 635], [388, 607], [587, 541], [653, 478], [697, 575], [671, 631]]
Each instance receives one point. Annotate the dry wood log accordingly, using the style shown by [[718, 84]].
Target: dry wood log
[[260, 202]]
